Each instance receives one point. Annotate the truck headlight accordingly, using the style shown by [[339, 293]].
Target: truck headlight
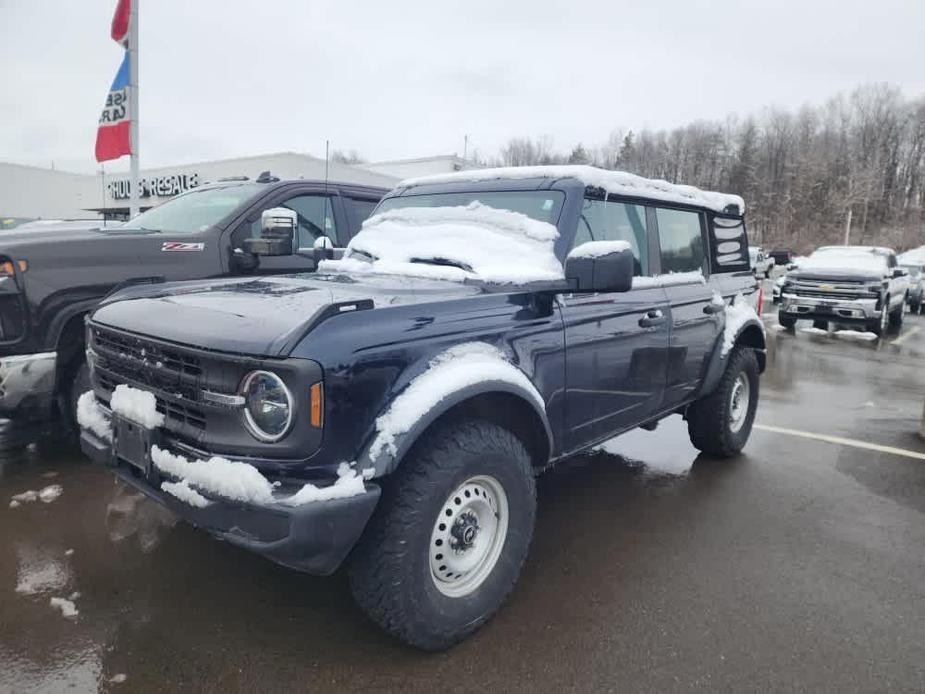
[[267, 405]]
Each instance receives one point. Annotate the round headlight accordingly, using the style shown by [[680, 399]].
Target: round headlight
[[267, 405]]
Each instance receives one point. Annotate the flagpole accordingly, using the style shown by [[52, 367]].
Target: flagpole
[[133, 205]]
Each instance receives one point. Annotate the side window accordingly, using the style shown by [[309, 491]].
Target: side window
[[615, 221], [681, 238], [361, 209], [315, 215], [730, 249]]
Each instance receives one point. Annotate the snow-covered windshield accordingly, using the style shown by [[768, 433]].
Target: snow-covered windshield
[[541, 205], [194, 211], [457, 243]]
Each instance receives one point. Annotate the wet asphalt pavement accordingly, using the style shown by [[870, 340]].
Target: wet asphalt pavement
[[797, 566]]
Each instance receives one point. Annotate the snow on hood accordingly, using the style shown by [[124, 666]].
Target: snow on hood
[[471, 242], [615, 182], [845, 261]]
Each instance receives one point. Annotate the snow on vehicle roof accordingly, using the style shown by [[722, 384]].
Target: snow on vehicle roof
[[453, 243], [614, 182], [845, 258]]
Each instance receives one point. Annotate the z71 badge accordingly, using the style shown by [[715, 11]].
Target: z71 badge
[[181, 246]]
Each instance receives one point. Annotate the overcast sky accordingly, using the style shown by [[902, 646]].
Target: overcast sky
[[223, 78]]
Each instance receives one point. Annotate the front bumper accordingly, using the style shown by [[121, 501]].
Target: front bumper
[[314, 537], [835, 309], [27, 384]]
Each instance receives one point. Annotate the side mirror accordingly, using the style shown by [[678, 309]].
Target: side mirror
[[600, 266], [277, 232]]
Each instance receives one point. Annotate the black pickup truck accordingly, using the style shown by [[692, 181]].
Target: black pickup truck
[[51, 276], [396, 405]]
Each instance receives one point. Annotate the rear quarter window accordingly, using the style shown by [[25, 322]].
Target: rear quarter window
[[728, 244]]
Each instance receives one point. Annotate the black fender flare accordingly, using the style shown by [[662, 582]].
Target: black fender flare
[[384, 459], [749, 334]]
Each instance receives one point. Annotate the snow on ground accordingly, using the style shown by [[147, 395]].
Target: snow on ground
[[614, 182], [118, 678], [139, 406], [38, 573], [242, 482], [597, 249], [456, 368], [90, 416], [475, 241], [669, 279], [738, 314], [67, 607], [846, 334], [46, 495]]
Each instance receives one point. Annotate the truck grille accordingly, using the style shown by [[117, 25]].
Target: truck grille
[[831, 290]]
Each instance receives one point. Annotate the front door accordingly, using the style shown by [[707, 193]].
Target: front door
[[616, 342]]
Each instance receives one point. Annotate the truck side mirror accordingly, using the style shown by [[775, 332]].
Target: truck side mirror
[[322, 249], [899, 272], [600, 266], [277, 232]]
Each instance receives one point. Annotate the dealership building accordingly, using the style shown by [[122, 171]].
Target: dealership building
[[35, 193]]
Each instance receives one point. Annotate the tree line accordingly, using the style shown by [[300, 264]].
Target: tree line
[[855, 164]]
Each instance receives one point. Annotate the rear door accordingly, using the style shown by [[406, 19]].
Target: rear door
[[615, 341], [696, 316]]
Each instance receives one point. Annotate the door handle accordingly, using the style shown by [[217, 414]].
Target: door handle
[[712, 308], [651, 319]]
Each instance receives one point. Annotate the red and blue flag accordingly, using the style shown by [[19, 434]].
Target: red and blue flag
[[112, 136]]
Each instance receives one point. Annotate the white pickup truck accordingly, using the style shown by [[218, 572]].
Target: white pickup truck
[[861, 285], [761, 261]]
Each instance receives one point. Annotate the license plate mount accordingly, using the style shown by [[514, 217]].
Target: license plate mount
[[132, 443]]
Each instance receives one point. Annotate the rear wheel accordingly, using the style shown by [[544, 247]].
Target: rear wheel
[[449, 537], [721, 422], [786, 320]]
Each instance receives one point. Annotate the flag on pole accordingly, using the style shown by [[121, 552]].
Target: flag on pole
[[121, 21], [112, 136]]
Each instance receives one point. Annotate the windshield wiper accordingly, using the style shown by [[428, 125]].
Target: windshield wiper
[[446, 262]]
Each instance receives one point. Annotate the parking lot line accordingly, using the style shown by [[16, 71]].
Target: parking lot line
[[842, 441], [908, 333]]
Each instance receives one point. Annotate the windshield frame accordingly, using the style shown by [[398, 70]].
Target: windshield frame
[[254, 190]]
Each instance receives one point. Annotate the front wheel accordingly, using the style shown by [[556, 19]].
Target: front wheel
[[720, 423], [449, 537], [881, 324], [786, 321], [896, 317]]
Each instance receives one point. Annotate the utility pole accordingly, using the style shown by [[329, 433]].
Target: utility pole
[[134, 192], [465, 147], [848, 226]]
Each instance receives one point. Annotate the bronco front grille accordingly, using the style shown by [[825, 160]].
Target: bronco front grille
[[131, 348]]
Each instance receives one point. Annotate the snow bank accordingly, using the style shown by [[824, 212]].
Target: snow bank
[[90, 416], [140, 406], [671, 279], [596, 249], [846, 260], [67, 607], [242, 482], [474, 241], [456, 368], [737, 314], [615, 182]]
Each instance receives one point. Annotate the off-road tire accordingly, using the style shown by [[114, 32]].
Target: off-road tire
[[708, 418], [389, 570], [786, 321]]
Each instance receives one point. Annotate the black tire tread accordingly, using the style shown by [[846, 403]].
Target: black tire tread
[[380, 556]]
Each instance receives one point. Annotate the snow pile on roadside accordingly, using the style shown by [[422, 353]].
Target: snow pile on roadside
[[847, 260], [45, 495], [846, 334], [669, 280], [596, 249], [614, 182], [90, 416], [471, 242], [242, 482], [738, 314], [67, 607], [456, 368], [139, 406]]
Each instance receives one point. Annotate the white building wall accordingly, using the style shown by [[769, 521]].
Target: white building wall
[[425, 166], [30, 191]]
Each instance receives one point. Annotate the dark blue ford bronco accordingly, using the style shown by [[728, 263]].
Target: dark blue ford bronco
[[390, 412]]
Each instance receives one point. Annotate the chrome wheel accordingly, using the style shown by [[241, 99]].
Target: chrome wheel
[[468, 536], [739, 398]]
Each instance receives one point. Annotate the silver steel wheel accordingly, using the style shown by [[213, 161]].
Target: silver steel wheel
[[738, 402], [885, 318], [468, 536]]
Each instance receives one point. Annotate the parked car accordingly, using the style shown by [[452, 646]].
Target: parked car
[[482, 326], [779, 282], [859, 285], [916, 279], [782, 256], [52, 275], [761, 263]]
